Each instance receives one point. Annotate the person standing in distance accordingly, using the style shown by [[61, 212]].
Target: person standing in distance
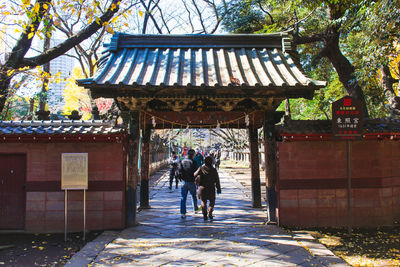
[[187, 168], [217, 160], [199, 158], [173, 162]]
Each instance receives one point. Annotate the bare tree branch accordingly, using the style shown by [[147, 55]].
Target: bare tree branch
[[308, 39], [152, 17], [265, 11], [148, 14], [163, 19], [219, 19], [189, 15], [199, 13]]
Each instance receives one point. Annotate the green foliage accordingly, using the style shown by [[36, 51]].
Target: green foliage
[[369, 37], [17, 108], [319, 108], [242, 17]]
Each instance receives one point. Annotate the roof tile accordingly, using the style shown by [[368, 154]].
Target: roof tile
[[199, 61], [60, 127]]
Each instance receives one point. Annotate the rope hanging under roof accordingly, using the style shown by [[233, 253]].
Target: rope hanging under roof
[[199, 126]]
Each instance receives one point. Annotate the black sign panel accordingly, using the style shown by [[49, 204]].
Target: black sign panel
[[347, 118]]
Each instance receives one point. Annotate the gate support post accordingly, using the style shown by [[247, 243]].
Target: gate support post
[[270, 147], [145, 169], [255, 167], [131, 119]]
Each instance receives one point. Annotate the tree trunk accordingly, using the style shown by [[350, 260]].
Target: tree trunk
[[46, 68], [387, 83], [344, 68], [4, 84]]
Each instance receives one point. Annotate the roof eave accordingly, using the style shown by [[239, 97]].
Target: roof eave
[[84, 82], [112, 91]]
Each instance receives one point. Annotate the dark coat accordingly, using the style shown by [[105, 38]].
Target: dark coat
[[208, 180]]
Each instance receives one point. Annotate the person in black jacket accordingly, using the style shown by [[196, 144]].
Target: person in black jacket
[[207, 179], [187, 168]]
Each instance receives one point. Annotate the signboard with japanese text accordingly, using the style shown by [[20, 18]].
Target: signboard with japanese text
[[74, 174], [347, 118]]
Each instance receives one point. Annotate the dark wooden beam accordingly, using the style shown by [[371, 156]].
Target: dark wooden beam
[[145, 168], [131, 118], [271, 118], [255, 167]]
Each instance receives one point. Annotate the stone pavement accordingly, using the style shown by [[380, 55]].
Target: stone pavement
[[238, 236]]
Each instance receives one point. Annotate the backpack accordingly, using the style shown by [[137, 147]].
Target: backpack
[[186, 173], [179, 172]]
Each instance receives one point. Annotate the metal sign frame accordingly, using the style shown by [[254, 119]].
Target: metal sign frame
[[74, 176], [74, 171]]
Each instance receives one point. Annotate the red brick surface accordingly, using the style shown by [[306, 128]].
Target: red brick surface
[[45, 210], [375, 183], [47, 213], [35, 196]]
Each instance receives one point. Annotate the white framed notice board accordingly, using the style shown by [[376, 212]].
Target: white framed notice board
[[74, 174]]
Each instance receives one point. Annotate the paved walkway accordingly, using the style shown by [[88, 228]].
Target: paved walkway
[[238, 236]]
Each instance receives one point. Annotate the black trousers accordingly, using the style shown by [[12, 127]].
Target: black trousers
[[171, 178]]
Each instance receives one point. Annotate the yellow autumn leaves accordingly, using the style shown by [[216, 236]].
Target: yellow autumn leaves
[[77, 98]]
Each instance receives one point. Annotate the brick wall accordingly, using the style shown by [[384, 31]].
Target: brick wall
[[312, 183], [45, 201]]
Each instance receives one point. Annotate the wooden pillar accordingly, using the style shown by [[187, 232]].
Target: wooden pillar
[[131, 119], [270, 147], [145, 168], [255, 167]]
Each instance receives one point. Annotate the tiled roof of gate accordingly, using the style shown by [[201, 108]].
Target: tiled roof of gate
[[200, 61], [94, 127]]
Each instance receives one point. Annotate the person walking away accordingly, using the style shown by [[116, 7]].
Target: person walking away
[[208, 179], [218, 159], [199, 158], [187, 168], [173, 162]]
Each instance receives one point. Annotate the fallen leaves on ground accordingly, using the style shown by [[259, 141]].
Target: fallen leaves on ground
[[41, 249], [364, 247]]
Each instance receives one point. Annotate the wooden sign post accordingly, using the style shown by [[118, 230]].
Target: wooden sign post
[[348, 124], [74, 176]]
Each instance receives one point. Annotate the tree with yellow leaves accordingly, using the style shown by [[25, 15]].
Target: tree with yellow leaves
[[35, 16], [75, 97], [78, 98]]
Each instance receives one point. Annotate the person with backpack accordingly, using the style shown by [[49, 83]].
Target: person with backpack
[[207, 179], [187, 167], [173, 162]]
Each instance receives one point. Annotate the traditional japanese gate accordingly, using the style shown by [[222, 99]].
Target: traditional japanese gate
[[199, 81]]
